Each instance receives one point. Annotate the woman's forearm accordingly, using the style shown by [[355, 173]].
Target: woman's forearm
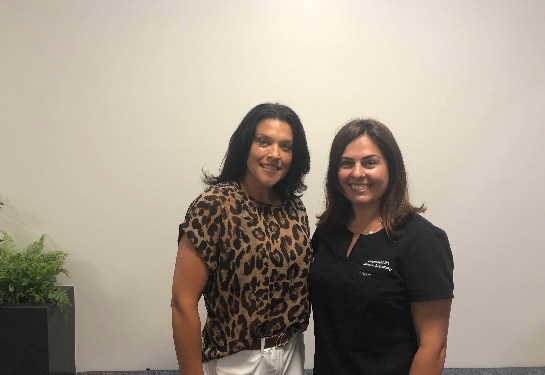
[[190, 275], [186, 326], [431, 320], [428, 361]]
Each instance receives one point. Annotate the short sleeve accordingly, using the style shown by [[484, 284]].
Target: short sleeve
[[428, 266], [203, 226]]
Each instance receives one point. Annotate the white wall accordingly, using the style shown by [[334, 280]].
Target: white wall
[[110, 109]]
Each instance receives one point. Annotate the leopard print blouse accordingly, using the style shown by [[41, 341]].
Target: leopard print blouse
[[258, 258]]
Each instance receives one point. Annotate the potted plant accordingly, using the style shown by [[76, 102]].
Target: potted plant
[[37, 330]]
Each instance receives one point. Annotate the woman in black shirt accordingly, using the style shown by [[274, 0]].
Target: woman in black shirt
[[381, 281]]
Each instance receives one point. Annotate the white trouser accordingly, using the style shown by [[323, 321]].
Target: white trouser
[[286, 360]]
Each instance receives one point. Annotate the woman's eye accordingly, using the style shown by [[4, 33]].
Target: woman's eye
[[370, 163], [286, 148], [262, 142], [346, 164]]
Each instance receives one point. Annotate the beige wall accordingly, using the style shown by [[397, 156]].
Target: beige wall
[[110, 109]]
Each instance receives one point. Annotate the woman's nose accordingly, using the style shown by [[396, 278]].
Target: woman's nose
[[358, 170], [274, 151]]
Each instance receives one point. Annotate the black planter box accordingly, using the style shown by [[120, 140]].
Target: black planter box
[[37, 340]]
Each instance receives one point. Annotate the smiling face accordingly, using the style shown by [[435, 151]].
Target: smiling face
[[363, 173], [270, 154]]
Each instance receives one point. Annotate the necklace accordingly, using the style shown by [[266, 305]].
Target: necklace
[[373, 230]]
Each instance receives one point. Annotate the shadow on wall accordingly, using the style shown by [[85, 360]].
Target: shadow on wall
[[17, 223], [90, 293], [101, 321], [536, 347]]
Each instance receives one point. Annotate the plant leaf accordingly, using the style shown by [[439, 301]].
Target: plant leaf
[[29, 276], [7, 242], [36, 247]]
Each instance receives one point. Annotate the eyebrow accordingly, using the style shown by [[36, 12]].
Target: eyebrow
[[365, 157], [257, 135]]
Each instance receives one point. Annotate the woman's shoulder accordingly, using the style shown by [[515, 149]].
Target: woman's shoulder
[[222, 189], [419, 226], [217, 195], [296, 202], [339, 233]]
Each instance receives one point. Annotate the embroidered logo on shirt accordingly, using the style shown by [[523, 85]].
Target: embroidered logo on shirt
[[378, 264]]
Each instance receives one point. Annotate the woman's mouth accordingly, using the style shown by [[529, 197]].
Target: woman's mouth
[[360, 187], [270, 167]]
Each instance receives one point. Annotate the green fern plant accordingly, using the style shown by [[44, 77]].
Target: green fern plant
[[29, 276]]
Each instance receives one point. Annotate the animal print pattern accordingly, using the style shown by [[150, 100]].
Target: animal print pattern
[[258, 258]]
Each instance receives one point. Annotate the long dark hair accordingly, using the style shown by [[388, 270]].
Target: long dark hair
[[234, 163], [395, 206]]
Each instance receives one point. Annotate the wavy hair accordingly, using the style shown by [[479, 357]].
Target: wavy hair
[[395, 206]]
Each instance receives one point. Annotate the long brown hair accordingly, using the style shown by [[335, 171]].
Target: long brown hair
[[395, 207]]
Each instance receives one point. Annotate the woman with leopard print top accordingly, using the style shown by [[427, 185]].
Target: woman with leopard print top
[[245, 247]]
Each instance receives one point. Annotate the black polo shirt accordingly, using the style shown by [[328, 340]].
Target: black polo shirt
[[361, 303]]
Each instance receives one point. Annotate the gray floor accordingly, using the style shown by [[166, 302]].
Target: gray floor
[[495, 371], [449, 371]]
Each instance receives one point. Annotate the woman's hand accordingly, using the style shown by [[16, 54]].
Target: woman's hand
[[190, 276], [431, 324]]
